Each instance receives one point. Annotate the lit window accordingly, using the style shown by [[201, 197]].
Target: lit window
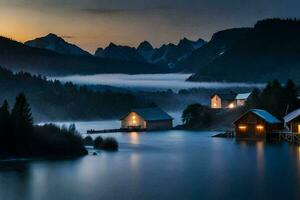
[[134, 121], [242, 127], [231, 105], [133, 117], [260, 127], [215, 104]]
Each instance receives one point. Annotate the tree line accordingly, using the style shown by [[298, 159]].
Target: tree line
[[20, 138], [56, 101]]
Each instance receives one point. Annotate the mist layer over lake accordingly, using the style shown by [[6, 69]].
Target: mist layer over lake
[[149, 81]]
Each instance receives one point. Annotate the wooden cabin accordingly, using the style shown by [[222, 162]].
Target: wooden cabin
[[147, 118], [257, 124], [292, 121], [219, 101], [242, 98], [228, 100]]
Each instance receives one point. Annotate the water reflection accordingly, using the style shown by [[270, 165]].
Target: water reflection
[[134, 137]]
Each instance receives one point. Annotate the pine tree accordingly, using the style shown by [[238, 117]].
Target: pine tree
[[291, 96], [5, 128], [254, 100], [21, 114], [4, 117]]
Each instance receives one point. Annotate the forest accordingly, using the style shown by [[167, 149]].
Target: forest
[[55, 100], [19, 137]]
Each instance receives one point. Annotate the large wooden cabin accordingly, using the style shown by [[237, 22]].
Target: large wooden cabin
[[257, 124], [292, 121], [152, 118]]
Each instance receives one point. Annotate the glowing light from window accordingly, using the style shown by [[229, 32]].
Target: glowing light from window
[[242, 127], [260, 127], [231, 105]]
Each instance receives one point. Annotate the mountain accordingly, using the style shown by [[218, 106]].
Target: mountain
[[270, 50], [172, 54], [120, 52], [57, 44], [17, 56], [217, 46], [167, 55], [146, 50]]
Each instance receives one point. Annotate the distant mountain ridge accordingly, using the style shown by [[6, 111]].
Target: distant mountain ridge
[[166, 55], [270, 50], [17, 56], [54, 43]]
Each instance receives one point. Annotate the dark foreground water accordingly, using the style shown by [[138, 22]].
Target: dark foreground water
[[162, 165]]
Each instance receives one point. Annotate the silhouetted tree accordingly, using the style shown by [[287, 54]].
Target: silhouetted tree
[[291, 96], [196, 116], [254, 100], [5, 127]]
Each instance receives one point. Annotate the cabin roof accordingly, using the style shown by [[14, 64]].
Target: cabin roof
[[289, 117], [242, 96], [151, 114], [226, 96], [265, 115]]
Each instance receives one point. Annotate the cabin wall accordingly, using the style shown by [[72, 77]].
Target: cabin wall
[[240, 102], [159, 125], [133, 120], [215, 102], [247, 127], [294, 125]]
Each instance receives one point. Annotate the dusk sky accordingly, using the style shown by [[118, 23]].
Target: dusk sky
[[95, 23]]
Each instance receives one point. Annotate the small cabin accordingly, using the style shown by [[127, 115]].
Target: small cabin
[[292, 121], [147, 119], [228, 100], [219, 101], [257, 124], [242, 98]]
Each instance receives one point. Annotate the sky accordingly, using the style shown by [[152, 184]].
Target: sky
[[95, 23]]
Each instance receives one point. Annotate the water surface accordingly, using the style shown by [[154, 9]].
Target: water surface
[[162, 165]]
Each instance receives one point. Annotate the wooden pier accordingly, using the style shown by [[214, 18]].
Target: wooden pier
[[114, 131], [290, 137]]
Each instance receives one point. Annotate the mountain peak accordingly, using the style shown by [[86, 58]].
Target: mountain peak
[[52, 35], [145, 46], [55, 43]]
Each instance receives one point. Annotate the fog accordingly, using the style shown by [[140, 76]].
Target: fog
[[149, 82]]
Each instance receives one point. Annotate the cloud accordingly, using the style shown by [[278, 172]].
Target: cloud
[[100, 11], [68, 36]]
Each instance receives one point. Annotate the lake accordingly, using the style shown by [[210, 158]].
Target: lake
[[149, 82], [161, 165]]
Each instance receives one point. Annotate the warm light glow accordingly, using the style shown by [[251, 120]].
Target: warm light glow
[[134, 121], [298, 128], [231, 105], [260, 127], [242, 127], [215, 105], [134, 137]]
